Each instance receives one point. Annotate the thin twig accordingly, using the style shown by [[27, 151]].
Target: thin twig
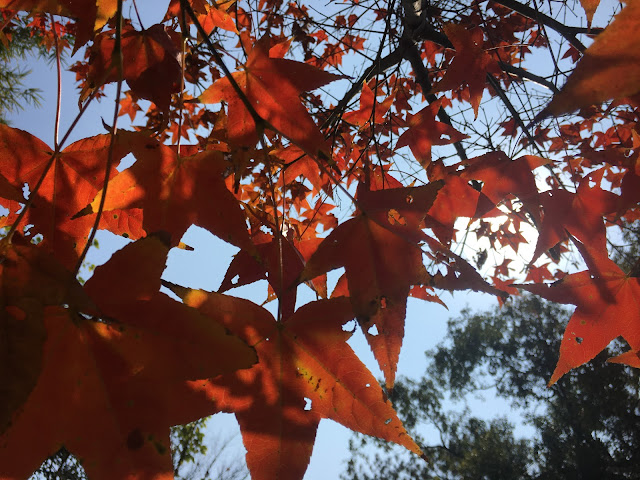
[[569, 33], [56, 127], [117, 51]]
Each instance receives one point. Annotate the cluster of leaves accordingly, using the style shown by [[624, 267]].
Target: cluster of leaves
[[258, 160], [585, 426]]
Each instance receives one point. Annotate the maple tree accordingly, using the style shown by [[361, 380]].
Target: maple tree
[[268, 125]]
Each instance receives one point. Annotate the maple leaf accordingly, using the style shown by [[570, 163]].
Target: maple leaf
[[280, 263], [273, 87], [631, 358], [91, 15], [590, 7], [609, 69], [30, 280], [304, 357], [502, 176], [118, 385], [75, 176], [298, 163], [424, 132], [218, 16], [9, 192], [470, 64], [370, 111], [606, 307], [380, 267], [580, 214], [456, 199], [150, 63], [174, 8], [175, 192]]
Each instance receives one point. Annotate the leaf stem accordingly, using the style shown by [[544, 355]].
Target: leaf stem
[[117, 49], [56, 128]]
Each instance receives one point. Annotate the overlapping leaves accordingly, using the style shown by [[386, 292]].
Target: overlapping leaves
[[119, 362]]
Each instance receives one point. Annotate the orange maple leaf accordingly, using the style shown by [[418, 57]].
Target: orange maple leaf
[[370, 110], [175, 192], [74, 178], [110, 390], [306, 372], [609, 69], [380, 267], [91, 15], [273, 87], [590, 7], [606, 302], [298, 163]]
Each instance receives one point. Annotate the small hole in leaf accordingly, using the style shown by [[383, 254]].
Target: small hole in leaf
[[387, 421], [409, 199], [307, 404], [373, 330], [368, 385], [579, 340], [350, 326], [234, 280]]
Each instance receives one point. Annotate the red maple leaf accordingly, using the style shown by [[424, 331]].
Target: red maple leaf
[[580, 214], [278, 262], [117, 385], [424, 132], [606, 302], [69, 184], [470, 64], [306, 372], [273, 87], [370, 110], [456, 199], [380, 267], [175, 192], [502, 176], [150, 63]]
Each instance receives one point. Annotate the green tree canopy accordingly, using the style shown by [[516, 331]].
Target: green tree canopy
[[586, 426]]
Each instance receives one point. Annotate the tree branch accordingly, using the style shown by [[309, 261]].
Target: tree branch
[[569, 33]]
